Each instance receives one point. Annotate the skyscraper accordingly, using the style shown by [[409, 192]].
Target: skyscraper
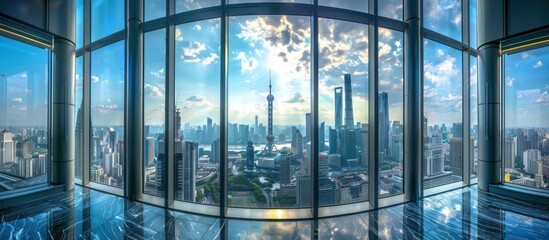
[[530, 158], [285, 162], [383, 123], [456, 155], [209, 130], [270, 137], [149, 151], [177, 123], [364, 134], [349, 118], [308, 123], [297, 144], [3, 100], [332, 140], [112, 138], [215, 151], [457, 130], [186, 167], [347, 139], [338, 103], [250, 155], [7, 147], [321, 137]]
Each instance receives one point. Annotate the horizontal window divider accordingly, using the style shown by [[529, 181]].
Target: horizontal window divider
[[443, 39], [335, 210], [270, 214], [269, 9], [106, 188], [108, 40], [443, 188], [195, 208]]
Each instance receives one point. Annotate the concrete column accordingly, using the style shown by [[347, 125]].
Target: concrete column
[[489, 114], [134, 101], [62, 117], [413, 116], [63, 88]]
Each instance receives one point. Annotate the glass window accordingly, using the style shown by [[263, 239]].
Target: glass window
[[473, 155], [356, 5], [443, 16], [188, 5], [269, 86], [343, 112], [442, 122], [154, 9], [23, 114], [79, 23], [526, 154], [154, 95], [473, 23], [390, 113], [107, 17], [79, 117], [197, 113], [107, 115], [390, 9]]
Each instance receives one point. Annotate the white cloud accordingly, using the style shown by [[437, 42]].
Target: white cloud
[[543, 99], [197, 27], [18, 100], [178, 36], [444, 71], [154, 91], [105, 108], [297, 98], [248, 65], [197, 101], [190, 53], [210, 59], [384, 49], [538, 64], [525, 55], [509, 81], [159, 73], [94, 79]]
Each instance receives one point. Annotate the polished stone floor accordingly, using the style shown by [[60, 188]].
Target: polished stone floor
[[460, 214]]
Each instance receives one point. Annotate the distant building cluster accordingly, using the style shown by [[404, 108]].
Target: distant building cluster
[[526, 156]]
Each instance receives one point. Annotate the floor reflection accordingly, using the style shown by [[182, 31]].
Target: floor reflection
[[459, 214]]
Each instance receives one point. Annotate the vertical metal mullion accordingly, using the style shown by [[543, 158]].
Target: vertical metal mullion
[[169, 169], [314, 108], [223, 111], [49, 128], [373, 128], [86, 88], [466, 92]]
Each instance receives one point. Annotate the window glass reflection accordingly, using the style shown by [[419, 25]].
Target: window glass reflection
[[343, 112], [197, 114], [473, 155], [390, 113], [443, 16], [526, 149], [442, 121], [23, 114], [154, 9], [356, 5], [107, 17], [390, 9], [188, 5], [79, 117], [154, 88], [269, 112], [107, 115]]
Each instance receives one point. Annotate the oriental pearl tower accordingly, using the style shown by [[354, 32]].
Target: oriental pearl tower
[[270, 138]]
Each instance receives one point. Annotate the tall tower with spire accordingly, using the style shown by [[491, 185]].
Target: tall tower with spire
[[270, 138]]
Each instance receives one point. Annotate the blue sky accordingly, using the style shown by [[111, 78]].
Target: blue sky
[[526, 88], [24, 83]]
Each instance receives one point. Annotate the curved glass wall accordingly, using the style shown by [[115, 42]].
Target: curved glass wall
[[243, 97], [526, 149], [24, 99]]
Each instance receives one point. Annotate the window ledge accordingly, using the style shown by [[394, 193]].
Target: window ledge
[[520, 193], [30, 195]]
